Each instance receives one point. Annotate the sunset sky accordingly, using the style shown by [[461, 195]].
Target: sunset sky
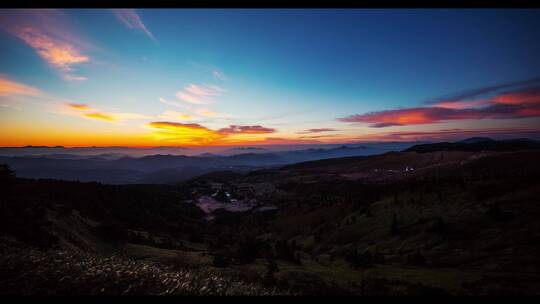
[[190, 77]]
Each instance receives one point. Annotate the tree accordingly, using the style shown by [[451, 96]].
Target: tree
[[367, 212], [220, 261], [394, 225], [6, 172], [416, 258], [439, 225], [360, 260], [271, 268], [378, 257], [247, 249]]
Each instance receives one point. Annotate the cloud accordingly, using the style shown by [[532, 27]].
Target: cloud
[[474, 93], [192, 98], [129, 116], [319, 136], [204, 90], [100, 116], [79, 106], [59, 54], [75, 109], [509, 104], [74, 78], [131, 19], [452, 134], [10, 107], [196, 134], [218, 74], [10, 87], [174, 125], [317, 130], [47, 32], [171, 103], [288, 141], [184, 134], [233, 129], [173, 115], [199, 94], [205, 113], [114, 117]]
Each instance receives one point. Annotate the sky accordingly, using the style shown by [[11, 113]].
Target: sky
[[230, 77]]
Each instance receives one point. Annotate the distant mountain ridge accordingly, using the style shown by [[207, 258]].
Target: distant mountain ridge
[[475, 144], [118, 168], [114, 168]]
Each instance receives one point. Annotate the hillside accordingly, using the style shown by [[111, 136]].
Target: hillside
[[453, 222], [445, 222]]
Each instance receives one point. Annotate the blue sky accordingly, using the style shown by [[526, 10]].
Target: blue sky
[[288, 71]]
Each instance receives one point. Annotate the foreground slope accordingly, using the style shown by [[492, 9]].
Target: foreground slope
[[443, 222]]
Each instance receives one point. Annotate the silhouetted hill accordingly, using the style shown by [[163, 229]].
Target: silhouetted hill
[[474, 140]]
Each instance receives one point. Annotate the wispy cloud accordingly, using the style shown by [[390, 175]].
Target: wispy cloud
[[8, 106], [74, 78], [171, 103], [522, 101], [233, 129], [218, 74], [10, 87], [58, 53], [204, 90], [205, 112], [449, 134], [47, 32], [199, 94], [483, 91], [308, 131], [319, 136], [100, 116], [131, 19], [173, 115], [192, 98], [79, 106], [86, 111]]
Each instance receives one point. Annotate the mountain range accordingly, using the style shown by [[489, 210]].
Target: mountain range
[[117, 168]]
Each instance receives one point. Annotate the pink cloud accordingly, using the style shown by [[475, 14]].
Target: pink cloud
[[10, 87], [131, 19], [453, 134], [192, 98], [199, 94], [204, 90], [514, 104], [48, 33]]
